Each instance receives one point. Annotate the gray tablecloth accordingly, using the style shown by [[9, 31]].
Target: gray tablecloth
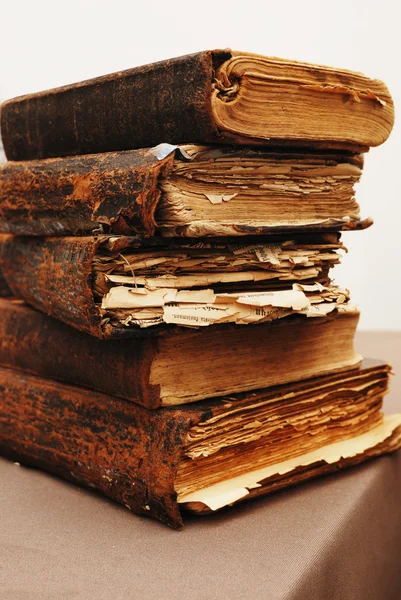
[[338, 537]]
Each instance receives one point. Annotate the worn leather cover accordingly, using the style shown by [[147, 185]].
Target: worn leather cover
[[334, 538], [33, 342], [36, 343], [113, 192], [118, 448], [55, 276], [167, 101], [116, 192]]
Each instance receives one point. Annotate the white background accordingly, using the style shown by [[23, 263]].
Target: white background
[[45, 43]]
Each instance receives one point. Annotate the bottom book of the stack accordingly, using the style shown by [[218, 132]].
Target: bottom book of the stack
[[203, 456]]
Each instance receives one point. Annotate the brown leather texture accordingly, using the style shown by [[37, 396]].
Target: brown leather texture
[[113, 192], [54, 277], [337, 537], [118, 448], [5, 291], [33, 342], [167, 101]]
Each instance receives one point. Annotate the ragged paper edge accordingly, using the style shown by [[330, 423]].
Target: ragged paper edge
[[226, 492], [196, 308], [197, 229], [161, 151]]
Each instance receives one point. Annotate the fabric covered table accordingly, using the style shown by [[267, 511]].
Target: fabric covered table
[[337, 537]]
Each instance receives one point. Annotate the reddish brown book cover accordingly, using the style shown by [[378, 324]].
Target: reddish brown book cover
[[120, 449]]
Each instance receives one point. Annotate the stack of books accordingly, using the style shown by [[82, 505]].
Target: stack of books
[[175, 339]]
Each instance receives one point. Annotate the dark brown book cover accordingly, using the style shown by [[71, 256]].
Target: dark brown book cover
[[172, 101], [168, 101], [33, 342], [122, 450]]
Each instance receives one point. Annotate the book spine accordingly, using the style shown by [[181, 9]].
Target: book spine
[[54, 275], [168, 101], [33, 342], [116, 192], [119, 449]]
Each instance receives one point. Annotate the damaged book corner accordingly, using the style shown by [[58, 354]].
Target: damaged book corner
[[177, 257]]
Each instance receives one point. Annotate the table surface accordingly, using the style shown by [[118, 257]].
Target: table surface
[[337, 537]]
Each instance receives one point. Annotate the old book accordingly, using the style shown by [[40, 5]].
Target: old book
[[202, 457], [212, 96], [192, 191], [112, 286], [178, 365]]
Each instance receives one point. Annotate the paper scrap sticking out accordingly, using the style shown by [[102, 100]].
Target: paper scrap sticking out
[[283, 299], [268, 254], [193, 315], [162, 150], [319, 310], [219, 198], [124, 297], [227, 491]]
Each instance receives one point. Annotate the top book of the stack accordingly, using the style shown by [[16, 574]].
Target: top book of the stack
[[218, 96]]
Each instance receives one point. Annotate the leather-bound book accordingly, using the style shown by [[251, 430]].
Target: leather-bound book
[[202, 457], [190, 191], [114, 286], [218, 96], [177, 365]]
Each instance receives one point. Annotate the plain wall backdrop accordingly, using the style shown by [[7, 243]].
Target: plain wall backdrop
[[48, 43]]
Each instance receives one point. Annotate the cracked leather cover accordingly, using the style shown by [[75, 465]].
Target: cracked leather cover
[[123, 450], [167, 101], [116, 192]]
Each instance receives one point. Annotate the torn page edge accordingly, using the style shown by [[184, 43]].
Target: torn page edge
[[226, 492]]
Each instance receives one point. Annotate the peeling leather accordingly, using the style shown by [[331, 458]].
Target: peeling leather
[[89, 194]]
